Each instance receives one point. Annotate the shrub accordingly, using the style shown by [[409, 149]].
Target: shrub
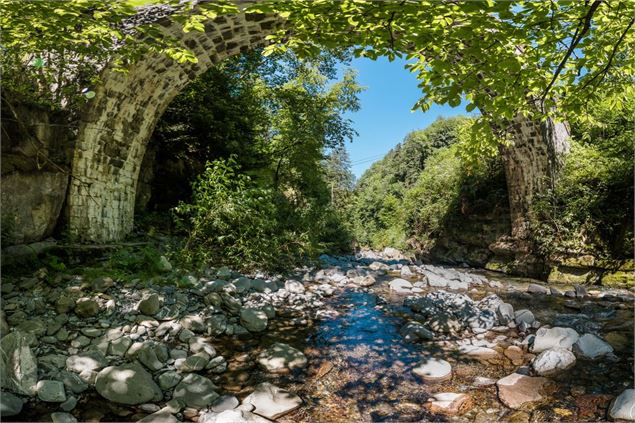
[[234, 222]]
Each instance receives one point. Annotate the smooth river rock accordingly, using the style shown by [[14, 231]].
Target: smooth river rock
[[592, 346], [253, 320], [196, 391], [624, 406], [127, 384], [557, 337], [449, 403], [18, 365], [280, 357], [516, 389], [553, 360], [400, 286], [433, 370], [272, 402], [10, 405]]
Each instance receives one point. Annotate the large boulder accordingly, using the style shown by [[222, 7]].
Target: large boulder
[[272, 402], [127, 384], [33, 202], [516, 389], [556, 337], [18, 365], [281, 357]]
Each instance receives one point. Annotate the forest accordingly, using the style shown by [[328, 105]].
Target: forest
[[184, 237]]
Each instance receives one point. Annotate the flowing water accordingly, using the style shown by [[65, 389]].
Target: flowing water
[[360, 367]]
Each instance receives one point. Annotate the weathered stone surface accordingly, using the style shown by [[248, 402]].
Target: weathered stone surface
[[33, 202], [127, 384], [433, 370], [18, 365], [592, 346], [281, 357], [556, 337], [196, 391], [150, 305], [63, 418], [624, 406], [415, 331], [86, 307], [552, 361], [10, 405], [51, 391], [516, 389], [449, 403], [235, 416], [253, 320], [86, 361], [272, 402], [225, 402], [537, 289], [400, 286]]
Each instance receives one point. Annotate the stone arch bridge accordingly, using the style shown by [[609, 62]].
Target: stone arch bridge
[[117, 124]]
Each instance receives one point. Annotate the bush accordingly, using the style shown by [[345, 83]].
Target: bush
[[234, 222], [590, 208]]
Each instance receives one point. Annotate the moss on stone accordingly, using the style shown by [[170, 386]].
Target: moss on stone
[[572, 275], [619, 279]]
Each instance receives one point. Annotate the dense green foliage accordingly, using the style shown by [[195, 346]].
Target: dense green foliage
[[590, 209], [505, 57], [272, 132], [380, 192]]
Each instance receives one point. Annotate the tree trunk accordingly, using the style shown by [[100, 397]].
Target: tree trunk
[[531, 165]]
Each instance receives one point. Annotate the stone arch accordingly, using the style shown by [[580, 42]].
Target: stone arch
[[117, 124]]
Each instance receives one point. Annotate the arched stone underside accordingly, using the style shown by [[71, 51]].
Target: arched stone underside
[[119, 121]]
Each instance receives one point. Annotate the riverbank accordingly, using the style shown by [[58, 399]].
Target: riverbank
[[356, 339]]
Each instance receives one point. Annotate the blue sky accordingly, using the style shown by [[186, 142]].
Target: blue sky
[[385, 117]]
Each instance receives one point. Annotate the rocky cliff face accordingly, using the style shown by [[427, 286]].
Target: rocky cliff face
[[35, 157]]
